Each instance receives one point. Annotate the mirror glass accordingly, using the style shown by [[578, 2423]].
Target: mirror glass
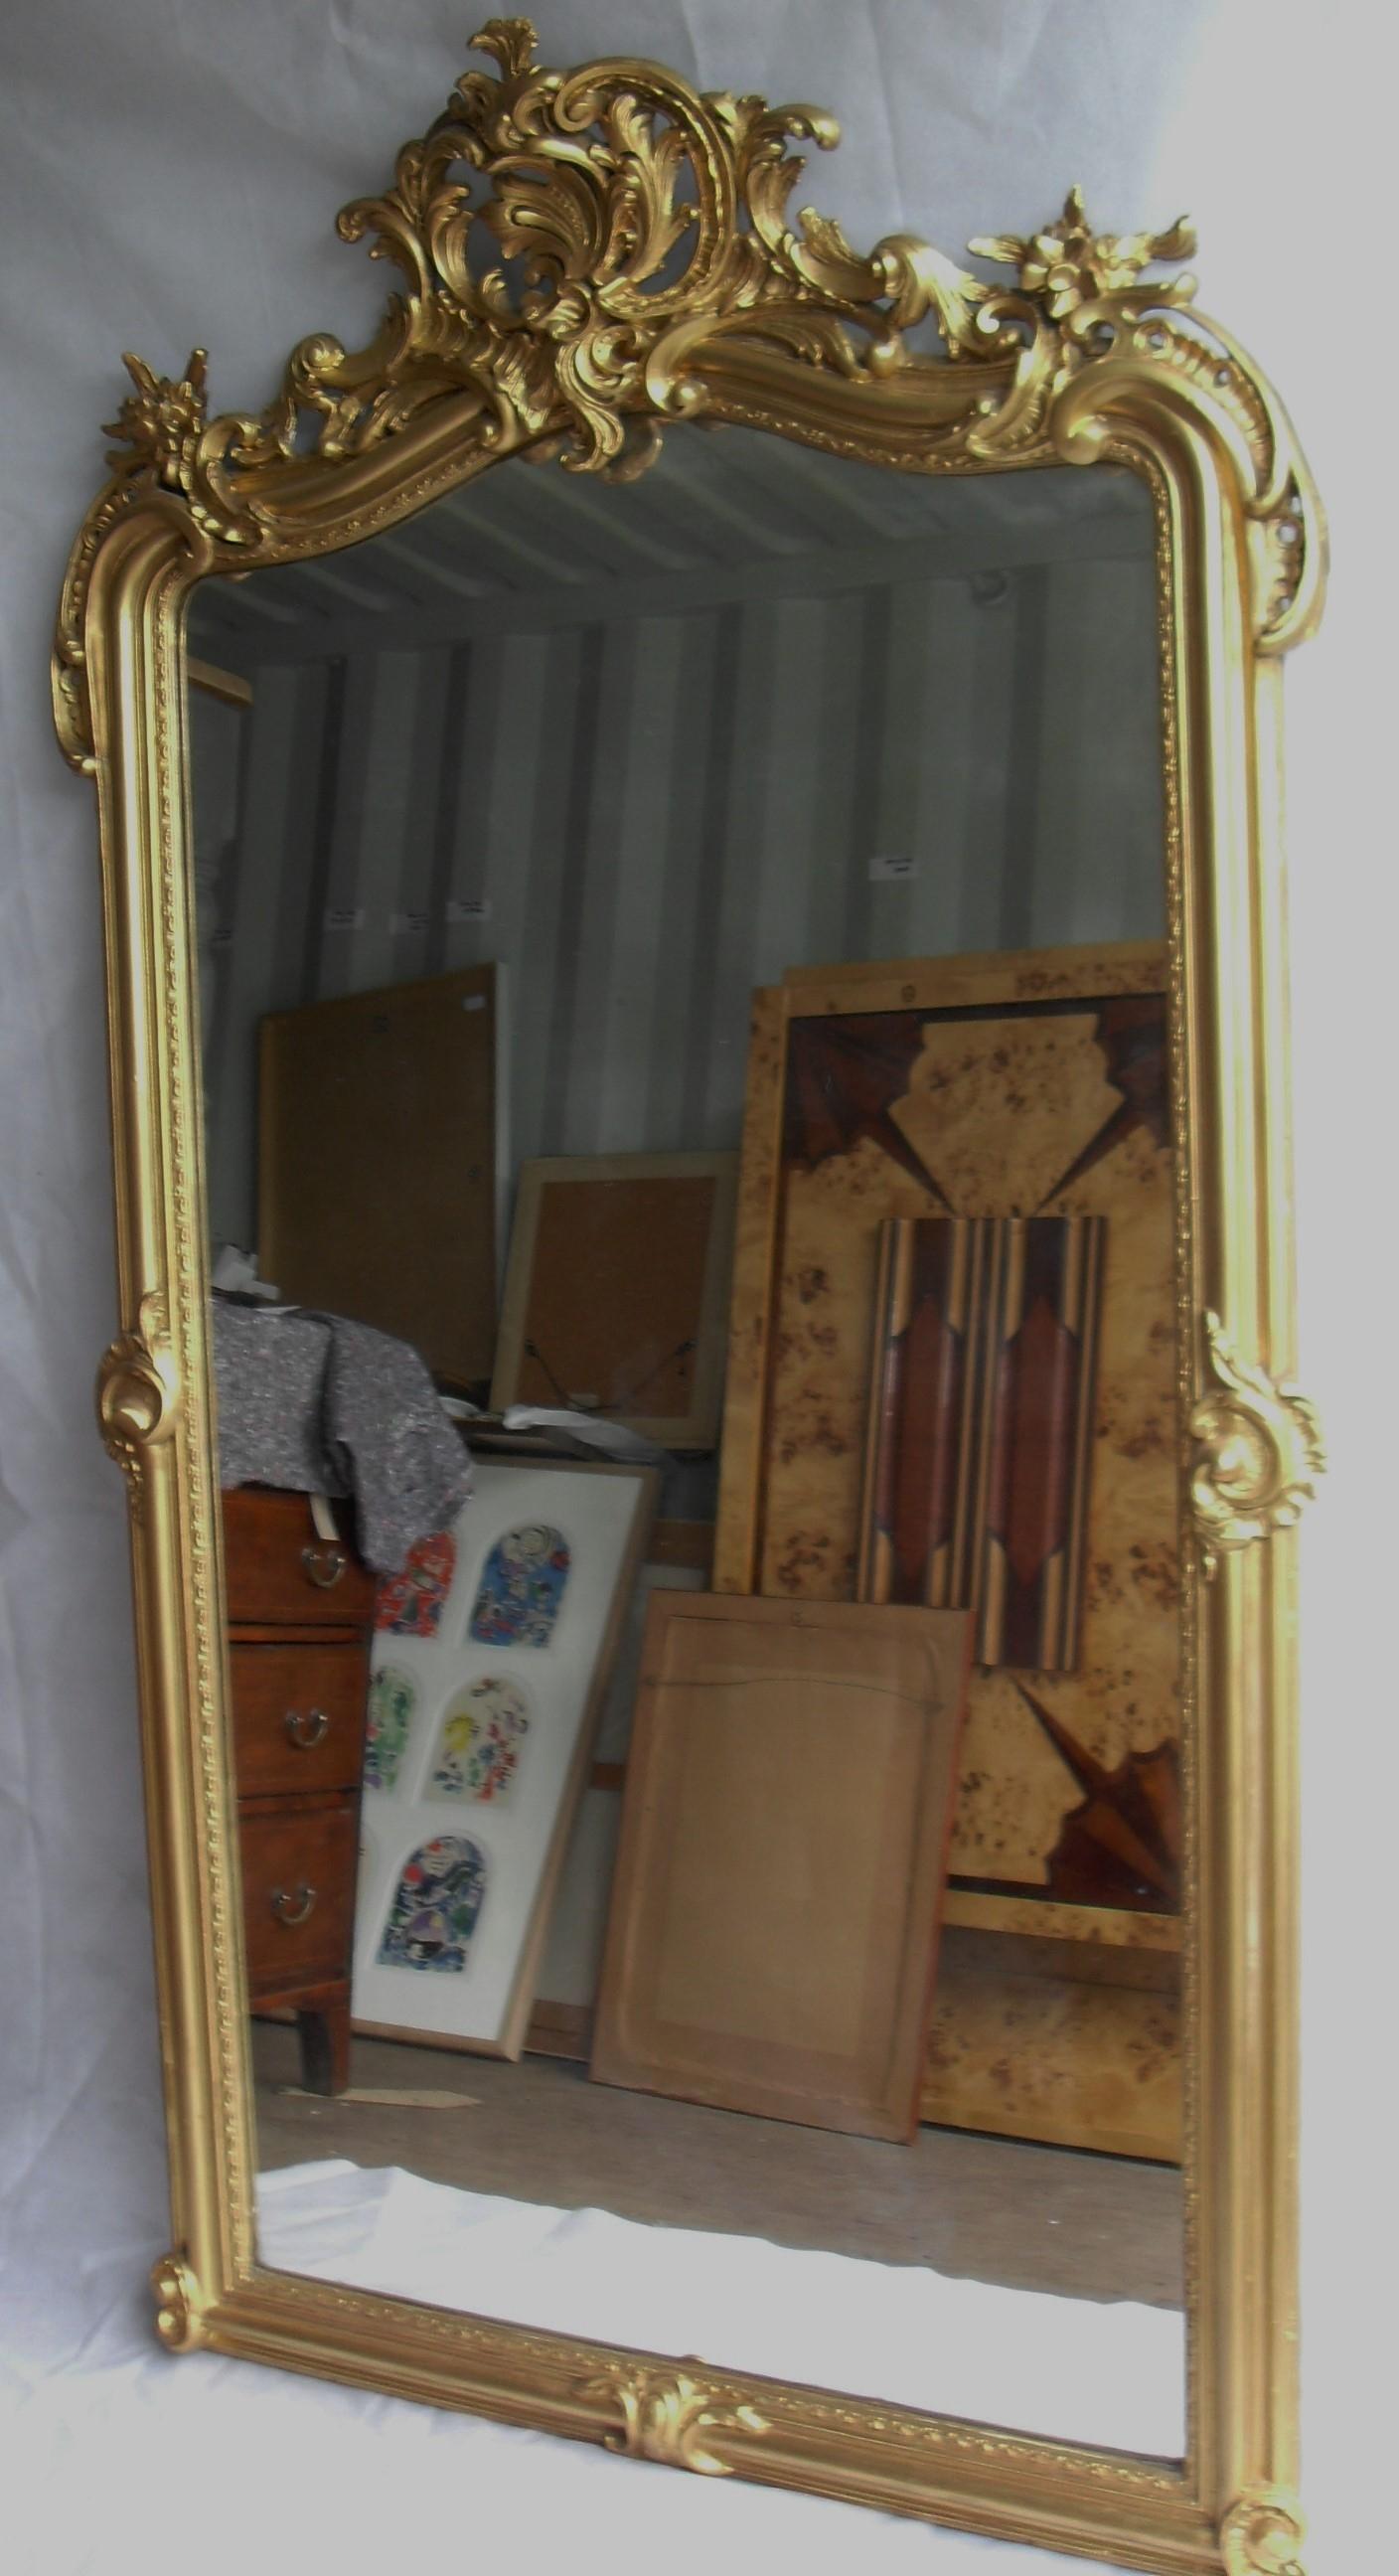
[[689, 1163]]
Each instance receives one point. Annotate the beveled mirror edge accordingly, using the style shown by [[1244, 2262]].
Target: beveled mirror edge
[[789, 331]]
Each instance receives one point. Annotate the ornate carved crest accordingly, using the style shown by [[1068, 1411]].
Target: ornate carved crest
[[585, 254], [1260, 1452]]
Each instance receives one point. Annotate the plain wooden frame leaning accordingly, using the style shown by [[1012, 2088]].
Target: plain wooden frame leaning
[[772, 1942]]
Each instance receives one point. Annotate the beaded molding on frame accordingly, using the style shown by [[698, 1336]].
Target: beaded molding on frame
[[579, 249]]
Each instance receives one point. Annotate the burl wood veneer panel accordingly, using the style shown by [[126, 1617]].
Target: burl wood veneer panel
[[1009, 1086], [1046, 2041]]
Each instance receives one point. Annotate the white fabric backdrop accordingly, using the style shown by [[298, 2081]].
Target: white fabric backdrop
[[170, 170]]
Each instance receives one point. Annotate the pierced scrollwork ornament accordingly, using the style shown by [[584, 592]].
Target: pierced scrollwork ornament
[[1260, 1452], [667, 2416], [586, 254]]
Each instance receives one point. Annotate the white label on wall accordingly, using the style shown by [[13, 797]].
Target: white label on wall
[[351, 917], [469, 907], [400, 923], [892, 863]]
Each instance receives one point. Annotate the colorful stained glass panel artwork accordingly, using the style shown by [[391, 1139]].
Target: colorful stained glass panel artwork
[[522, 1587], [435, 1906], [482, 1739], [411, 1603], [392, 1700]]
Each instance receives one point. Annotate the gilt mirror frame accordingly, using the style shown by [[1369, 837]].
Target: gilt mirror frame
[[656, 275]]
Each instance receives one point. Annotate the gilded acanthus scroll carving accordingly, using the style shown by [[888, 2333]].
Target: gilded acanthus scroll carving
[[1259, 1452], [668, 2416], [137, 1394], [585, 254]]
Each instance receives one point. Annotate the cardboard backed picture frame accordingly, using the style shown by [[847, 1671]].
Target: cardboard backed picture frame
[[381, 1145], [651, 1236], [484, 2008], [773, 1933]]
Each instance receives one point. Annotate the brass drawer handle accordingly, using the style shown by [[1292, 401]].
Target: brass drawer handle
[[308, 1731], [292, 1910], [324, 1564]]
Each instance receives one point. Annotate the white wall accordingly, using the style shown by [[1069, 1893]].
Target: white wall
[[169, 174]]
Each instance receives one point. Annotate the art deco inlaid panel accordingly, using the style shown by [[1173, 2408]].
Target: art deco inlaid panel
[[997, 1107]]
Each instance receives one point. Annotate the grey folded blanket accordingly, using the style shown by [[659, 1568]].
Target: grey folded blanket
[[327, 1406]]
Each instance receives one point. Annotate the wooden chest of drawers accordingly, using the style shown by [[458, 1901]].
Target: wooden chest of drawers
[[300, 1611]]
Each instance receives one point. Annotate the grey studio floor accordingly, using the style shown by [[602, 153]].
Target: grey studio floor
[[989, 2209]]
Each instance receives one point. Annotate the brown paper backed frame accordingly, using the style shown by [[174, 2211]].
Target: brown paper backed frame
[[698, 1428], [1074, 359], [450, 1313]]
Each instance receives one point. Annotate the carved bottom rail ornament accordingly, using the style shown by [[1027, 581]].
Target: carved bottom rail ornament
[[1260, 1452], [665, 2414], [1262, 2535], [177, 2319]]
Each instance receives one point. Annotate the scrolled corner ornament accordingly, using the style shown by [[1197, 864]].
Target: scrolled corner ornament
[[177, 2319], [1259, 1452], [669, 2417], [137, 1396], [1262, 2535]]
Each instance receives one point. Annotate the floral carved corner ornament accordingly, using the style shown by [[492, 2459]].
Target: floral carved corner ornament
[[667, 2416], [1069, 266], [1259, 1452], [583, 254]]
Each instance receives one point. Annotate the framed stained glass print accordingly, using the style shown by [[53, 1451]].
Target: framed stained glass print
[[432, 1917], [411, 1602], [483, 1736], [483, 1722], [392, 1700]]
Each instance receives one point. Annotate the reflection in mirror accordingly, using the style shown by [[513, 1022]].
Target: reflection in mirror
[[690, 1168]]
